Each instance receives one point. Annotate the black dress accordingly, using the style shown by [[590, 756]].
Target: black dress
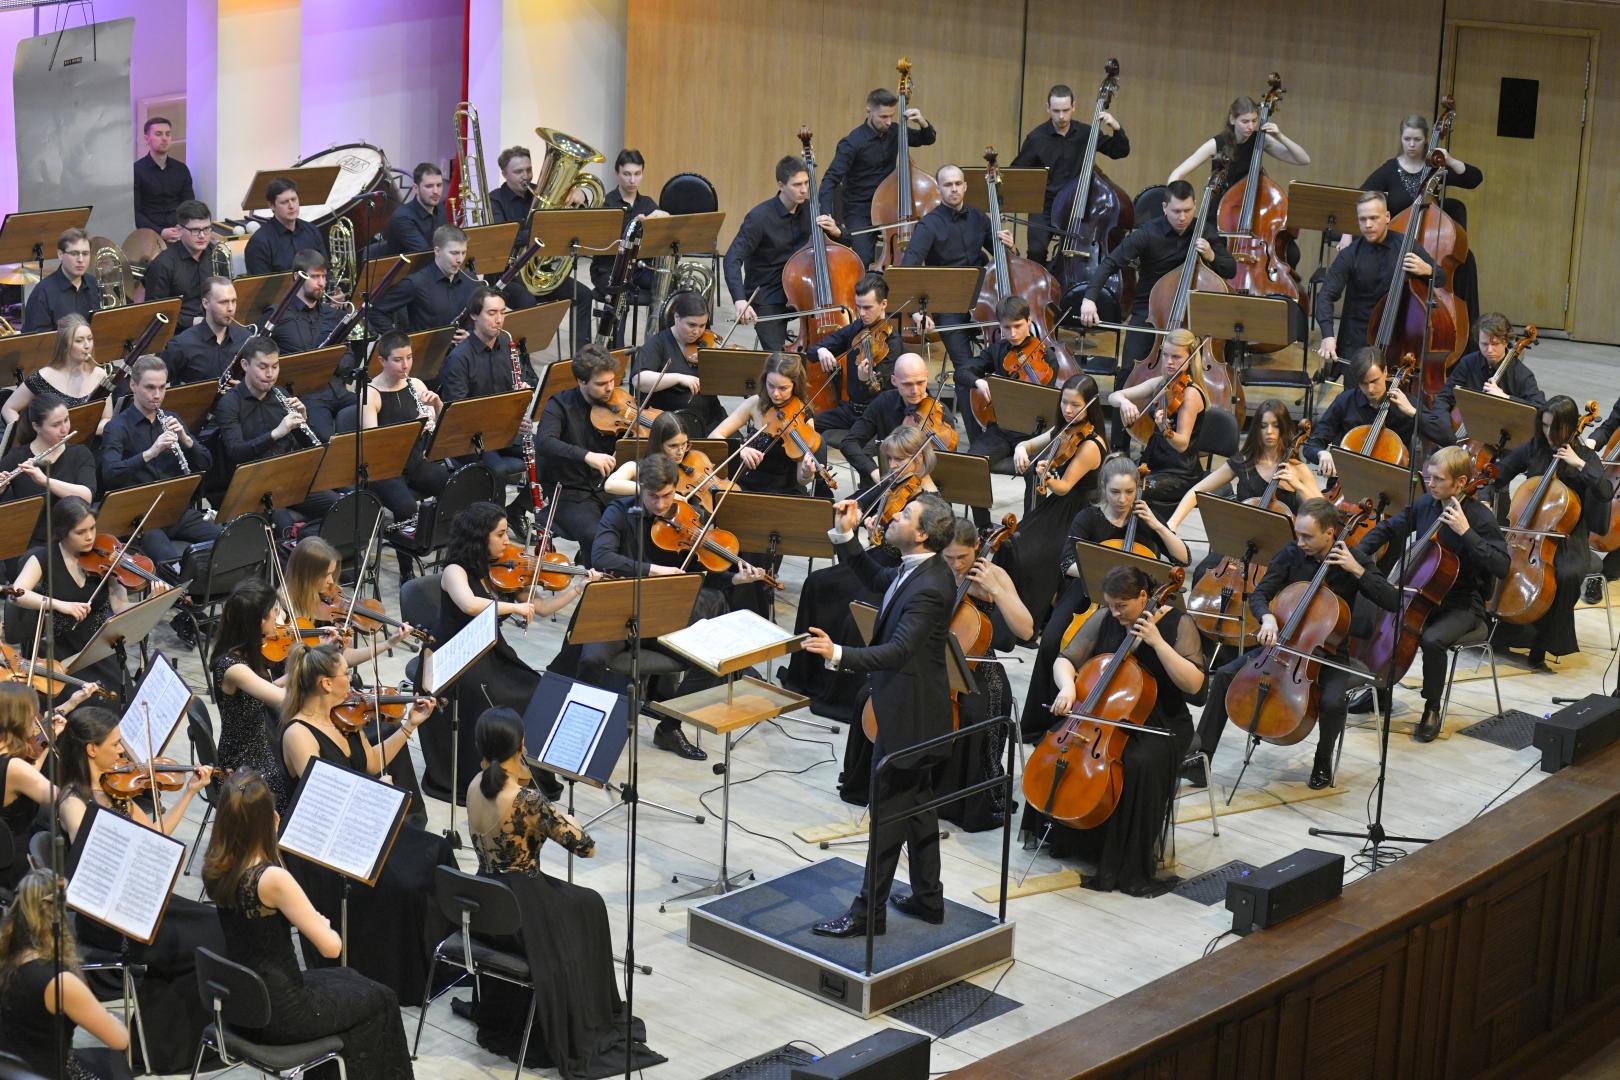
[[1172, 473], [309, 1005], [1126, 847], [249, 733], [1033, 554], [30, 1031], [69, 636], [824, 602], [394, 925], [500, 674], [579, 1022], [701, 412], [1249, 485], [18, 819], [76, 465]]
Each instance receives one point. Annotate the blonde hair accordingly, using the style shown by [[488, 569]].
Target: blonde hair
[[311, 560], [907, 440], [1187, 341], [29, 926], [305, 669], [1456, 460], [66, 327]]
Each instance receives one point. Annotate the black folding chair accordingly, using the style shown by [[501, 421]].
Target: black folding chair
[[239, 999]]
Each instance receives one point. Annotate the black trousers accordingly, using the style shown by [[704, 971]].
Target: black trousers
[[1041, 233], [324, 405], [1335, 686], [1444, 629], [896, 791], [422, 478], [192, 528], [772, 335], [577, 519], [865, 245]]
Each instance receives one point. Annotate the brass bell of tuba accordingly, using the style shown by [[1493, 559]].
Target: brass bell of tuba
[[341, 263], [470, 208], [561, 174]]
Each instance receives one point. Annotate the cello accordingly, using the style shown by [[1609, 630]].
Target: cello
[[1096, 212], [907, 193], [1169, 303], [1442, 237], [820, 277], [1253, 216], [1545, 507], [1276, 696], [1609, 539], [1117, 689]]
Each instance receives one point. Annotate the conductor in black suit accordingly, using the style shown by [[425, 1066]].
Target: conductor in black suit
[[910, 696]]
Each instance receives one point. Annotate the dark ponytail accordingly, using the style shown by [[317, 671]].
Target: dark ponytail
[[500, 735]]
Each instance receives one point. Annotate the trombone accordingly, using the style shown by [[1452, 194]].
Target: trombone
[[470, 207]]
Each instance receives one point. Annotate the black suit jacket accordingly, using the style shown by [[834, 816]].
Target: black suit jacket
[[911, 692]]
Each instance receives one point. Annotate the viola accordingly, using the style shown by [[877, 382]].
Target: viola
[[1253, 216], [1481, 451], [135, 571], [42, 675], [869, 349], [1427, 570], [1276, 695], [1096, 212], [1068, 444], [898, 497], [930, 416], [1025, 362], [1076, 775], [906, 194], [515, 571], [369, 617], [279, 643], [621, 412], [1170, 302], [820, 277], [1216, 600], [362, 707], [697, 479], [1548, 506], [792, 425], [129, 780], [716, 548]]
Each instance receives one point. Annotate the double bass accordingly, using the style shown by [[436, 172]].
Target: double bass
[[1096, 214], [1169, 303], [1254, 218], [1545, 507], [1277, 694], [906, 194], [1442, 237], [820, 276], [1076, 775]]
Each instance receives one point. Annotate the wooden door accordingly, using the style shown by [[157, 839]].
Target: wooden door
[[1521, 105]]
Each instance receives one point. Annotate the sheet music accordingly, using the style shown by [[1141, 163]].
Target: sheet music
[[724, 637], [574, 738], [446, 663], [124, 874], [341, 819], [165, 696]]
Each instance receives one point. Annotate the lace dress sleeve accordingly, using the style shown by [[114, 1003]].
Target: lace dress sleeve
[[536, 817]]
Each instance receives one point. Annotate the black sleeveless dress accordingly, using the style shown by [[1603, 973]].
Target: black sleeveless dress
[[248, 733], [1248, 484], [18, 819], [1032, 555], [69, 636], [30, 1031]]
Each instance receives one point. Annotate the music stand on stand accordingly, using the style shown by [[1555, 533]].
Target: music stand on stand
[[161, 502], [1496, 422], [947, 290], [24, 354], [263, 486], [255, 292], [1242, 320], [1327, 209], [476, 425], [1023, 407], [309, 372], [191, 402], [314, 184], [31, 236], [1095, 562], [17, 525], [1248, 534], [117, 329], [492, 244], [1022, 191], [569, 232], [535, 328], [428, 350], [730, 372], [1362, 477], [134, 623], [963, 479]]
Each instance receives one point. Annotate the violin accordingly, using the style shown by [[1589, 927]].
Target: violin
[[514, 572], [907, 193], [1068, 444], [1253, 216], [279, 643], [135, 571], [698, 479], [369, 617], [898, 497], [130, 780], [1276, 695], [1548, 506], [45, 677], [930, 416], [791, 425], [1481, 451], [870, 348], [621, 413], [1170, 397], [362, 707], [1076, 775], [1427, 570], [717, 550], [1097, 213], [1170, 302], [1025, 362], [820, 277], [1225, 588]]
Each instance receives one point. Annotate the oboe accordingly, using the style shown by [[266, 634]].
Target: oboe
[[170, 423], [528, 440], [309, 433]]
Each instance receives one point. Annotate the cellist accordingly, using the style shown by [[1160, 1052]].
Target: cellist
[[1126, 847], [1361, 274], [1316, 540], [770, 234], [1475, 371], [864, 159], [1171, 453], [1582, 471], [1469, 529], [1058, 146], [1367, 385]]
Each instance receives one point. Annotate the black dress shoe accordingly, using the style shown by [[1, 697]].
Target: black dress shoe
[[517, 527], [1321, 777], [1192, 771], [1428, 728], [462, 1007], [846, 926], [675, 741], [907, 904]]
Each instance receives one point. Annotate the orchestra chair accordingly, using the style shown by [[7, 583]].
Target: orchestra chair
[[239, 998], [1477, 638], [479, 907], [348, 527], [204, 751], [1597, 582], [467, 485], [240, 552], [419, 606], [92, 959], [1202, 759]]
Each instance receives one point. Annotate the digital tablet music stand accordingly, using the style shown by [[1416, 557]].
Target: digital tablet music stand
[[545, 709], [477, 424]]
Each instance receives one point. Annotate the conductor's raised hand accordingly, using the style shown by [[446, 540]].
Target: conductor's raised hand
[[846, 515]]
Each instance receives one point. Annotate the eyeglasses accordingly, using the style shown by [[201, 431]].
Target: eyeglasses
[[197, 231]]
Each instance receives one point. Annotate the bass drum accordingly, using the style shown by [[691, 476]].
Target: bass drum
[[365, 191]]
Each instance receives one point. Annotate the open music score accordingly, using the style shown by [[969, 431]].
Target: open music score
[[162, 697], [343, 820], [123, 874], [732, 641]]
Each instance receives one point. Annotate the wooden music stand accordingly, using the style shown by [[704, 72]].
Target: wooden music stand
[[1023, 191], [309, 372], [554, 379], [1022, 406], [933, 289], [777, 524], [963, 479], [681, 234], [567, 231], [477, 424], [256, 292], [534, 329], [24, 354], [31, 237], [1495, 419], [1236, 317], [635, 449], [117, 328], [730, 372], [314, 185], [1321, 206], [82, 420], [386, 452], [1095, 562], [261, 486], [123, 509], [606, 608], [378, 267], [428, 351], [1233, 526], [17, 525], [1362, 477], [492, 244], [191, 402]]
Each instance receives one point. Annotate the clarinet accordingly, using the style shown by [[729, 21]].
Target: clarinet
[[528, 443], [179, 451], [309, 433], [421, 409]]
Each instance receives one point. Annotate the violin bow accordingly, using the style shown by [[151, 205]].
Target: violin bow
[[893, 476], [1057, 436], [151, 770], [281, 586], [121, 550], [734, 325], [540, 548]]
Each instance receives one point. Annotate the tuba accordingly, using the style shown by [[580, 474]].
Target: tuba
[[562, 172], [219, 260], [470, 207], [673, 275], [112, 273]]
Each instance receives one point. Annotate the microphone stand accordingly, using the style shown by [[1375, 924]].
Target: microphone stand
[[630, 795], [58, 849]]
